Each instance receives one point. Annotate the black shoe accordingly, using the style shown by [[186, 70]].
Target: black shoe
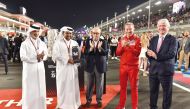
[[178, 69], [99, 104], [87, 104]]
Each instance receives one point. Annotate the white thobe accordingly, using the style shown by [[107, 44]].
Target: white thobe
[[68, 94], [33, 75]]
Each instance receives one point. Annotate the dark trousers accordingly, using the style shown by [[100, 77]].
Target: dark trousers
[[4, 57], [113, 50], [16, 53], [166, 83]]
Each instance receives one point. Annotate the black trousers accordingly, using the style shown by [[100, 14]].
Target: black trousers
[[166, 83], [4, 57], [113, 50], [16, 53]]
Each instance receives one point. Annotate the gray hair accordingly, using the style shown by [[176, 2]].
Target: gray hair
[[165, 21], [96, 29]]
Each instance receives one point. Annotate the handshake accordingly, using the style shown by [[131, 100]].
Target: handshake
[[40, 56]]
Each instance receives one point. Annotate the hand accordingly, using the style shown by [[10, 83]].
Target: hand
[[99, 44], [151, 54], [40, 56], [92, 45], [124, 43], [70, 61]]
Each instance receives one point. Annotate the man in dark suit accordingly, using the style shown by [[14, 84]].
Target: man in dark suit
[[96, 50], [161, 54], [4, 51]]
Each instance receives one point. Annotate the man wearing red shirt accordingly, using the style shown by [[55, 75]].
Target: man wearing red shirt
[[129, 49]]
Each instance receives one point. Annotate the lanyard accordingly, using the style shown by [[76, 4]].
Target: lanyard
[[36, 48], [68, 47]]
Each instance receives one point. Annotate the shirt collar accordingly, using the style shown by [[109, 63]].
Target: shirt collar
[[163, 35]]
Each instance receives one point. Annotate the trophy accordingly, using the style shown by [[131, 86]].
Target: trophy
[[75, 54]]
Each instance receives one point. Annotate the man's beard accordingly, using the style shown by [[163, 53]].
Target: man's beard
[[67, 37]]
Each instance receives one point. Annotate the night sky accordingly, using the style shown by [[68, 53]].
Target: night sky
[[74, 13]]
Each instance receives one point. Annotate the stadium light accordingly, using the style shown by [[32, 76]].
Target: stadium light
[[133, 13], [140, 10], [123, 17], [158, 3], [147, 7]]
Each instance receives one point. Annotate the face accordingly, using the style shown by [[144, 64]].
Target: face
[[34, 34], [129, 29], [186, 34], [150, 34], [96, 34], [162, 28], [67, 35]]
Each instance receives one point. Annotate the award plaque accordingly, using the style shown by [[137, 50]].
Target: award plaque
[[75, 54]]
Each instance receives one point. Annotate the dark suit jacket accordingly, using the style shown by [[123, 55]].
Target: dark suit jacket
[[164, 64], [4, 45], [96, 58]]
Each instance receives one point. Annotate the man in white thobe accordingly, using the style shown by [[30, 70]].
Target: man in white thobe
[[32, 53], [68, 94]]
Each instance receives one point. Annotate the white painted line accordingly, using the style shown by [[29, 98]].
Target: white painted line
[[181, 87]]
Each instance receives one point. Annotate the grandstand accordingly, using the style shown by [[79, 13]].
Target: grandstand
[[158, 9], [14, 23]]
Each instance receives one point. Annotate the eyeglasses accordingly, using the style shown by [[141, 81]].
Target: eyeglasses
[[96, 33]]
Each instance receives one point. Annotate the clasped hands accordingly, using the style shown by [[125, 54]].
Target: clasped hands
[[40, 56]]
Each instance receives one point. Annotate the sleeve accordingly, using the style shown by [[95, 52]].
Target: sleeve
[[137, 48], [171, 52], [87, 50], [24, 57], [104, 49], [57, 56], [119, 50], [6, 44], [150, 48], [45, 51]]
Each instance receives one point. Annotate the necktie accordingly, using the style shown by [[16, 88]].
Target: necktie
[[159, 43]]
